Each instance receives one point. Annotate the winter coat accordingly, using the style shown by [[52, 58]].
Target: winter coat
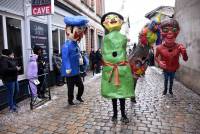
[[32, 70], [8, 69]]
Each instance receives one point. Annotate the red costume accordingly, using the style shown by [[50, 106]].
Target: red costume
[[167, 54]]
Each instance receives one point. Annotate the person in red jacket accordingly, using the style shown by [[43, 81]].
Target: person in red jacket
[[168, 53]]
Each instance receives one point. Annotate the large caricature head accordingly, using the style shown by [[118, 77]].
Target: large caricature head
[[75, 27], [155, 23], [112, 21], [139, 56], [169, 31]]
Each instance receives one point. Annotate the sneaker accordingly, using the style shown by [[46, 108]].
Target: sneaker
[[17, 106], [164, 92], [114, 118], [36, 100], [170, 92], [80, 99], [71, 103], [14, 110], [125, 119]]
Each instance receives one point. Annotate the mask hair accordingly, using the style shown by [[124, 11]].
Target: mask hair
[[171, 23]]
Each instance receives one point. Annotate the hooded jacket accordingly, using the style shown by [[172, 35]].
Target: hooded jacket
[[32, 70]]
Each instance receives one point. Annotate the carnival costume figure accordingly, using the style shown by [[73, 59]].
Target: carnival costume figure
[[168, 53], [139, 57], [117, 81], [71, 57]]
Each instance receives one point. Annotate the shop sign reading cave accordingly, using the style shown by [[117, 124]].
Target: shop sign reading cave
[[42, 7]]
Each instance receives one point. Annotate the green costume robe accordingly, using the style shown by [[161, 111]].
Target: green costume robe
[[114, 52]]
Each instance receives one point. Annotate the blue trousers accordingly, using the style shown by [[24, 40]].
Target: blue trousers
[[12, 91], [168, 76]]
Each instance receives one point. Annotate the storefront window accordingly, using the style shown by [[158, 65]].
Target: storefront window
[[62, 38], [1, 34], [55, 38], [15, 39], [100, 38]]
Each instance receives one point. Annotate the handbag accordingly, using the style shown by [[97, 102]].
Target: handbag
[[36, 82]]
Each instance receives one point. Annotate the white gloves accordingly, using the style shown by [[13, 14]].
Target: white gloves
[[68, 71]]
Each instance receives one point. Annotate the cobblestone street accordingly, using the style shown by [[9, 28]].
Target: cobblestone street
[[153, 113]]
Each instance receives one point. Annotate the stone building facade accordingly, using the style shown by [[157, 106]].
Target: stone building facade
[[187, 12]]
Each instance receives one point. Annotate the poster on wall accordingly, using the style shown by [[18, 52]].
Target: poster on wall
[[39, 37]]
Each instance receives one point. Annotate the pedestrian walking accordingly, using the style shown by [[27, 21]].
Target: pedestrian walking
[[41, 70], [57, 61], [98, 61], [9, 73], [84, 66], [92, 61]]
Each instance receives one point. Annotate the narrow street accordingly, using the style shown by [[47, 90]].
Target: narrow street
[[153, 113]]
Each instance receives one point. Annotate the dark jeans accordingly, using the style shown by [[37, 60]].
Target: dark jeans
[[71, 82], [58, 79], [168, 76], [98, 68], [122, 107], [41, 87], [12, 91]]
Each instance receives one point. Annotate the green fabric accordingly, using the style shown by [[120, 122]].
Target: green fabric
[[151, 37], [116, 42]]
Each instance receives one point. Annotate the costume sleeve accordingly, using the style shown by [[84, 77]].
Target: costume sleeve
[[183, 52], [161, 63], [157, 55], [65, 58]]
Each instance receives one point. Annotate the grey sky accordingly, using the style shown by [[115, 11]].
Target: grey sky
[[135, 9]]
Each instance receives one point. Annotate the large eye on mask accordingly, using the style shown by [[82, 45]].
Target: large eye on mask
[[167, 29]]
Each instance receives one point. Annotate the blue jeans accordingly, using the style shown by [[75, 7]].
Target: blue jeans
[[168, 76], [12, 91]]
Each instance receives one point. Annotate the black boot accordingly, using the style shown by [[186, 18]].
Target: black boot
[[165, 92], [133, 100], [170, 91], [125, 119], [79, 99], [114, 117], [71, 103]]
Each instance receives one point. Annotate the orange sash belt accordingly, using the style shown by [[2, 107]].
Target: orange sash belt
[[115, 70]]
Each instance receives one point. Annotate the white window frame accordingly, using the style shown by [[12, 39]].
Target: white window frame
[[59, 28], [4, 15]]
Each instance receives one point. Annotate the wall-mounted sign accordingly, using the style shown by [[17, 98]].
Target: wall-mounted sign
[[42, 7], [39, 37]]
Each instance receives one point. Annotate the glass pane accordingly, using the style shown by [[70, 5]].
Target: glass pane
[[100, 38], [1, 34], [15, 40], [55, 38], [62, 38]]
